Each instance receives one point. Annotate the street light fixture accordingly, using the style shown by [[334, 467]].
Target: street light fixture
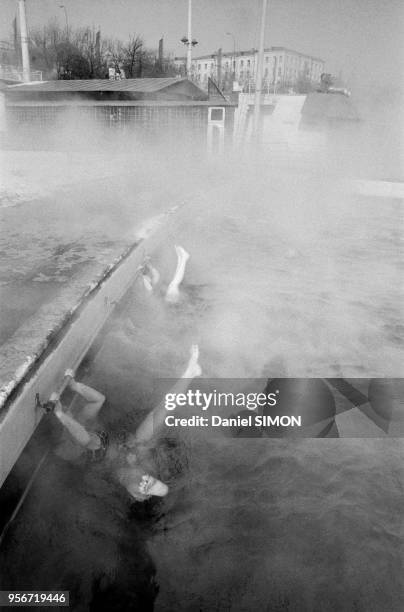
[[185, 41], [189, 44]]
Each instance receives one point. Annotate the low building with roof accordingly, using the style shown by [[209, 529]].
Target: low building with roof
[[149, 107]]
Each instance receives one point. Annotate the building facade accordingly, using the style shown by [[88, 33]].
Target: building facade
[[283, 68]]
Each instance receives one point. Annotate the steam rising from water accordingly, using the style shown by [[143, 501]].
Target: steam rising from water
[[296, 273], [290, 274]]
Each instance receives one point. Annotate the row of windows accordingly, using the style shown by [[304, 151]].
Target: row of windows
[[294, 62], [287, 71]]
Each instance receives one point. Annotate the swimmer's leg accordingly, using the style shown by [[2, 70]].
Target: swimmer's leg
[[155, 419], [154, 275], [94, 398], [173, 294], [76, 430], [150, 278], [149, 274], [147, 283]]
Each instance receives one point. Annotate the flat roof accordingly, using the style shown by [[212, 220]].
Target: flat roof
[[251, 52], [91, 103], [150, 85]]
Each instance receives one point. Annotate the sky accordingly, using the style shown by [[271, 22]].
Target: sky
[[361, 39]]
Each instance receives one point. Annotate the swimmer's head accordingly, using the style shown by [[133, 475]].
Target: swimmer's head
[[141, 486], [152, 486], [148, 485]]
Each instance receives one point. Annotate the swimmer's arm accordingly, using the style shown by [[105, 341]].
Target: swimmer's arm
[[92, 396], [77, 431], [94, 399]]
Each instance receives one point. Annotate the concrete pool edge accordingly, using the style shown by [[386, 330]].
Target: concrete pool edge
[[66, 346]]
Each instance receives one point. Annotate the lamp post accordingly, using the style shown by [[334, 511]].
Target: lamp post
[[62, 6], [259, 70], [188, 41], [26, 71], [234, 55]]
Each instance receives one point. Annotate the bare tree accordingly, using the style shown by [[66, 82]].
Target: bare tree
[[133, 56], [83, 54], [44, 43], [88, 42], [114, 52], [53, 51]]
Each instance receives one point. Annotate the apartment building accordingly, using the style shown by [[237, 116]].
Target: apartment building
[[282, 68]]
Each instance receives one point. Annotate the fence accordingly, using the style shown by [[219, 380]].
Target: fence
[[55, 125]]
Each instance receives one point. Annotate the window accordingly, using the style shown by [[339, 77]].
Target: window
[[199, 66], [216, 114], [248, 63], [206, 66], [267, 59], [242, 63]]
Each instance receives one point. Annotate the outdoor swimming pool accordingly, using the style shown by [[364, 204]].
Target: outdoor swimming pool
[[275, 286]]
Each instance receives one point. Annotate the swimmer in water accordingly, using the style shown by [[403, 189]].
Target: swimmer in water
[[82, 428], [151, 276], [124, 458], [172, 293]]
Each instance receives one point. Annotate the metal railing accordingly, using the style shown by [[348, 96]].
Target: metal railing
[[9, 73]]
